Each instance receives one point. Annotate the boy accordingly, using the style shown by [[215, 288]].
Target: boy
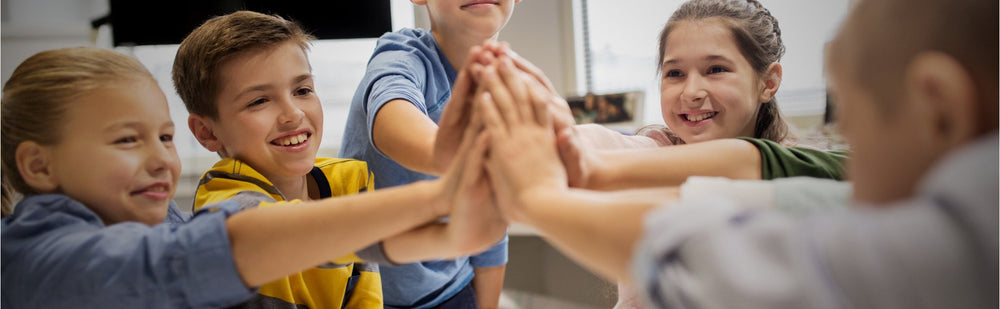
[[918, 101], [246, 80], [393, 125]]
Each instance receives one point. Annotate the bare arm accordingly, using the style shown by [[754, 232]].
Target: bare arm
[[262, 238], [488, 283], [405, 134], [670, 166]]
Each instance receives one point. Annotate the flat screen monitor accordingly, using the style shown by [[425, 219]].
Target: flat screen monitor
[[168, 22]]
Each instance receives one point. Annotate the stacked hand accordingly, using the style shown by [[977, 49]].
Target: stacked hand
[[504, 136]]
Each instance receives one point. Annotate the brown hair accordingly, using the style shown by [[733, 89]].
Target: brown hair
[[36, 95], [964, 29], [759, 39], [195, 73]]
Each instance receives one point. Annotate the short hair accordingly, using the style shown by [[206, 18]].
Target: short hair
[[879, 39], [758, 37], [201, 54], [36, 96]]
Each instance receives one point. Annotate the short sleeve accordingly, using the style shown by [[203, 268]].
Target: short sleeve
[[779, 161], [494, 256]]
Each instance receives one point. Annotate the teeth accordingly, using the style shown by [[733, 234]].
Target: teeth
[[700, 117], [293, 140]]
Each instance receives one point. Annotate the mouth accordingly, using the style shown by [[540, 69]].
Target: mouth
[[480, 3], [292, 140], [155, 191], [698, 117]]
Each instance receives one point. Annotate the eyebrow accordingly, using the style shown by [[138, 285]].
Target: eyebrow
[[706, 58], [133, 124], [296, 80]]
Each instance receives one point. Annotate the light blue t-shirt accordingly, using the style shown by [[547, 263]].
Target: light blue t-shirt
[[409, 65], [57, 253]]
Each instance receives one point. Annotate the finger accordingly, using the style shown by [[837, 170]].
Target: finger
[[526, 66], [540, 105], [491, 116], [516, 85], [474, 164], [501, 97]]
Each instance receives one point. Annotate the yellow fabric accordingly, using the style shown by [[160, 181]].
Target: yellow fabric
[[324, 286]]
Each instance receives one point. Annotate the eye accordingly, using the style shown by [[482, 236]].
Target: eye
[[717, 69], [257, 102], [672, 73], [303, 91], [126, 140], [166, 138]]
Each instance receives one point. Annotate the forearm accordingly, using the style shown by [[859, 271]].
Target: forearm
[[406, 135], [322, 230], [597, 229], [595, 136], [488, 283], [421, 244], [671, 166]]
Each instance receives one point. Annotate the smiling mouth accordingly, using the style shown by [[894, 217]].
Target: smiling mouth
[[292, 140], [479, 3], [699, 117]]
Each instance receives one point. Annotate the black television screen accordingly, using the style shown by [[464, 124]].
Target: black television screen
[[168, 22]]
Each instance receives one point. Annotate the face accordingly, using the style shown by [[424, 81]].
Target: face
[[116, 153], [479, 18], [708, 90], [889, 153], [269, 113]]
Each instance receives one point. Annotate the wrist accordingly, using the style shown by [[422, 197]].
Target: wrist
[[433, 193]]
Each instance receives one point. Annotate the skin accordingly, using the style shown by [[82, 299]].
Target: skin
[[267, 99], [124, 134]]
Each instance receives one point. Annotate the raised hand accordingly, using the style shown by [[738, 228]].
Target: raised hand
[[456, 115], [474, 222], [522, 155]]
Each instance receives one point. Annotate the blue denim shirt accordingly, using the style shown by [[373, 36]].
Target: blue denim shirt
[[57, 253], [408, 64]]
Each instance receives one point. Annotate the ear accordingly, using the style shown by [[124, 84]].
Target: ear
[[419, 2], [203, 130], [947, 91], [34, 162], [772, 80]]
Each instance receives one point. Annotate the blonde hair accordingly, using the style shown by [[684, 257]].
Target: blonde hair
[[759, 39], [196, 66], [36, 95]]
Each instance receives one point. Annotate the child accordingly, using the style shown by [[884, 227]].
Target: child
[[720, 72], [105, 232], [393, 125], [918, 103], [246, 80]]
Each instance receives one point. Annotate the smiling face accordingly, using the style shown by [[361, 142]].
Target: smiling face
[[116, 153], [481, 18], [269, 114], [708, 90]]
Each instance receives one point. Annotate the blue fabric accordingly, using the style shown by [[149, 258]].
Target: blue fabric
[[408, 64], [57, 253]]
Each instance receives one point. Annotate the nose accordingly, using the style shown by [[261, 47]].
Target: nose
[[291, 113], [162, 157], [694, 89]]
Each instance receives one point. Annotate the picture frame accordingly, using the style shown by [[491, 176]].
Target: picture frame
[[621, 111]]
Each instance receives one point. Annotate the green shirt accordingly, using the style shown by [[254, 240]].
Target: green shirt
[[777, 161]]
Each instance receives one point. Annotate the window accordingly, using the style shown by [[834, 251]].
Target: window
[[623, 39]]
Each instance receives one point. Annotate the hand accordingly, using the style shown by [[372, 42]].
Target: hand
[[559, 108], [474, 222], [577, 161], [523, 155], [456, 115]]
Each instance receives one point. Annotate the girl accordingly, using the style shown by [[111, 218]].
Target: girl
[[87, 140], [719, 74]]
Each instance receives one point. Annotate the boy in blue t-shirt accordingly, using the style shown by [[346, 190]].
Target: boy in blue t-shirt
[[393, 126]]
